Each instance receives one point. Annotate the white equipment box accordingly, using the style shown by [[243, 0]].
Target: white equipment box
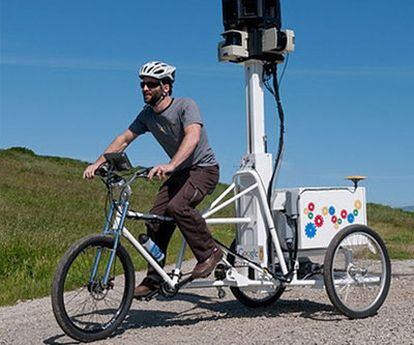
[[318, 212]]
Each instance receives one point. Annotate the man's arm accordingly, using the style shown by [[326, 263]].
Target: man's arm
[[190, 141], [119, 144]]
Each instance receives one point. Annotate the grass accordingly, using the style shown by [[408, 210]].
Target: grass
[[45, 206], [396, 227]]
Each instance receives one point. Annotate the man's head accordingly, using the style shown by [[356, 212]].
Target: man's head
[[157, 80]]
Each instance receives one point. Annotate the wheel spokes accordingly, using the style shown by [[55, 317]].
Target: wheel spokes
[[94, 305], [362, 279]]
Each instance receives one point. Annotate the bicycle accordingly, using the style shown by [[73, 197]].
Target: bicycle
[[93, 286]]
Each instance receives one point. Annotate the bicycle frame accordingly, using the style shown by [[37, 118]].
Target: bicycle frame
[[119, 212]]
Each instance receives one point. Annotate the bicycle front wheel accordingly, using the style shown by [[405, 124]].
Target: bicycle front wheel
[[86, 307], [357, 271]]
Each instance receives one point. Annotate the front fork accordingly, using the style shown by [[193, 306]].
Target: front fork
[[113, 227]]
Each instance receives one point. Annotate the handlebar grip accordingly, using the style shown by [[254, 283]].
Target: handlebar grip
[[102, 170], [145, 171]]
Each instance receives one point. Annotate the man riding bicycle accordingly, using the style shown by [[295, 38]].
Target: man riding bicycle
[[194, 172]]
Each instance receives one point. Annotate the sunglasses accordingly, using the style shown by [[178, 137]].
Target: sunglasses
[[150, 84]]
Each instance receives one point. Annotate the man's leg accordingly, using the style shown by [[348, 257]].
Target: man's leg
[[201, 181], [159, 233]]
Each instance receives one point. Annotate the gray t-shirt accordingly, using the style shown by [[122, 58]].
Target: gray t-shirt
[[168, 128]]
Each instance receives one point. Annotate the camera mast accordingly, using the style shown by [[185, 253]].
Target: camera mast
[[253, 37]]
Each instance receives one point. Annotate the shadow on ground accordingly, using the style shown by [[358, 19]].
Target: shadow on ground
[[141, 318]]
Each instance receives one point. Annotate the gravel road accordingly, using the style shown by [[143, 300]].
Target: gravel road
[[302, 316]]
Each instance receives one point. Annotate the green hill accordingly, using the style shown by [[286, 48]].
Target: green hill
[[45, 206]]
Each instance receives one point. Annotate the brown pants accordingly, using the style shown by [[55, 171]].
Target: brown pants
[[177, 198]]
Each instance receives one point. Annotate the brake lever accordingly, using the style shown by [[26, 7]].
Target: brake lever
[[144, 172]]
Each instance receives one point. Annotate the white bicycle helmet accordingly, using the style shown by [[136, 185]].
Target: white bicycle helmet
[[158, 70]]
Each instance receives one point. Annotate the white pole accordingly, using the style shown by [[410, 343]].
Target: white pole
[[256, 134], [255, 107]]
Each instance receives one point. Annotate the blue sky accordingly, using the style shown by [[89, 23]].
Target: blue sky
[[68, 84]]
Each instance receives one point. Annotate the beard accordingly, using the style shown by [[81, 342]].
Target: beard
[[147, 98], [152, 98]]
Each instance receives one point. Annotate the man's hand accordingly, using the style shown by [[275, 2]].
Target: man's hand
[[119, 144], [161, 171], [89, 172]]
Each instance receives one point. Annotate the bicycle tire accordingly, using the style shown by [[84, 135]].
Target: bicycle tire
[[247, 297], [356, 260], [74, 271]]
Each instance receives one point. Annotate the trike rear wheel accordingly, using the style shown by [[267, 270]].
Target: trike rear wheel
[[253, 297], [357, 271], [85, 307]]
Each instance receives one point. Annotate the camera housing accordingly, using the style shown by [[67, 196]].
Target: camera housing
[[253, 31], [241, 14], [234, 47], [278, 41]]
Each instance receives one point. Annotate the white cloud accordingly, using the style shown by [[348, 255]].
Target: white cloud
[[363, 72], [72, 63], [196, 69]]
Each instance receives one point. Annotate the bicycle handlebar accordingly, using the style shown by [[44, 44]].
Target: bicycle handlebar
[[106, 171], [112, 179]]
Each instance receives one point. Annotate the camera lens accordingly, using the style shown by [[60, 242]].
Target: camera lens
[[233, 39], [281, 40]]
